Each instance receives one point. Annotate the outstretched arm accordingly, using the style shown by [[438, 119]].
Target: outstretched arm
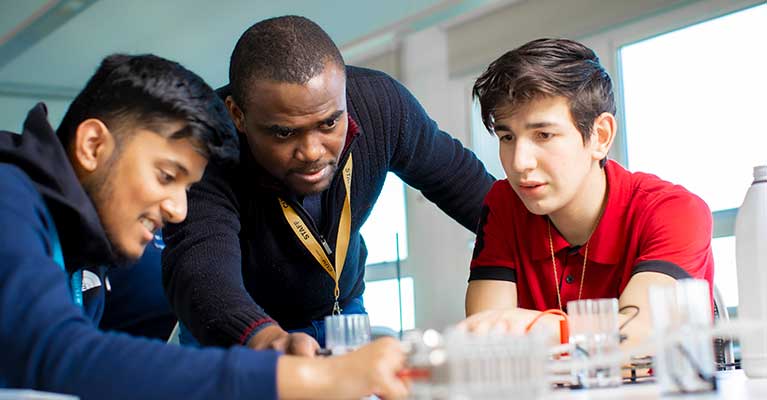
[[202, 273]]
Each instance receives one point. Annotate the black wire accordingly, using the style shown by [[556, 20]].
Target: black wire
[[696, 367], [631, 318], [581, 350], [722, 366], [693, 363]]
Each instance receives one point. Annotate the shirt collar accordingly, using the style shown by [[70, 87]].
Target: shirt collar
[[605, 242]]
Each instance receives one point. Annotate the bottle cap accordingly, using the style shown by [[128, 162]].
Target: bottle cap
[[760, 172]]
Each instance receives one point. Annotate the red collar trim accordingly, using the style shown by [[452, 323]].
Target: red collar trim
[[352, 131]]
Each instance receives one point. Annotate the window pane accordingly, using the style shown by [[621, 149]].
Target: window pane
[[381, 303], [694, 100], [725, 274], [485, 144], [386, 221]]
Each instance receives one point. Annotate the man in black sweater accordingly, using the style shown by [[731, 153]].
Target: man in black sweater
[[273, 246]]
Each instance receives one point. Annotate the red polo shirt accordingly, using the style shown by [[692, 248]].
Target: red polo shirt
[[648, 225]]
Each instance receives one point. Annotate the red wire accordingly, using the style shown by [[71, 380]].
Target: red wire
[[564, 326]]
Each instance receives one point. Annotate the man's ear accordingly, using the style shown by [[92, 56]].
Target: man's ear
[[238, 117], [93, 144], [602, 135]]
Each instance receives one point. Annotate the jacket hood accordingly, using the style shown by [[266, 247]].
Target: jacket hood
[[39, 153]]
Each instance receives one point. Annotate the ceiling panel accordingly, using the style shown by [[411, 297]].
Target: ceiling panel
[[198, 33], [14, 12]]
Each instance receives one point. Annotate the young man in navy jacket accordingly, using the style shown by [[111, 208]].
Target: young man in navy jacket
[[92, 194]]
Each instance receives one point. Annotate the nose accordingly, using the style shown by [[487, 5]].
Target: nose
[[174, 208], [311, 148], [523, 157]]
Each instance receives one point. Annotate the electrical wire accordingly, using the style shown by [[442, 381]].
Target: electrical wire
[[631, 318]]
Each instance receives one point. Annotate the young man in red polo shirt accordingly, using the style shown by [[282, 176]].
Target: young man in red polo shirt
[[567, 223]]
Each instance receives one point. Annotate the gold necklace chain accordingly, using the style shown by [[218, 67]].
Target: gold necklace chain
[[554, 264]]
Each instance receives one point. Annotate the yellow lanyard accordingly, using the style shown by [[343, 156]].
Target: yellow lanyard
[[342, 239]]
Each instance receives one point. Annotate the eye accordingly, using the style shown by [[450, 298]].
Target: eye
[[284, 134], [281, 132], [166, 178], [545, 135], [329, 124], [506, 138]]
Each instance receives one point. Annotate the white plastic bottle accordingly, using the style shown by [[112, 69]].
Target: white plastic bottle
[[751, 260]]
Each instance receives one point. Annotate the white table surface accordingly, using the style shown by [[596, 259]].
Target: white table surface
[[733, 385]]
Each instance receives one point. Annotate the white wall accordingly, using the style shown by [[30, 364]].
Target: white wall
[[13, 111], [439, 248]]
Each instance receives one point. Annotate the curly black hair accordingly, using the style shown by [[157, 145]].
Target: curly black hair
[[289, 49]]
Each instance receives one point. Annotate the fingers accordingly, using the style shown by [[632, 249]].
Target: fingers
[[280, 344], [391, 360], [395, 389], [491, 321], [301, 344]]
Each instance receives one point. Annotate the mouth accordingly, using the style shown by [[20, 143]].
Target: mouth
[[530, 187], [312, 176], [530, 184], [150, 227]]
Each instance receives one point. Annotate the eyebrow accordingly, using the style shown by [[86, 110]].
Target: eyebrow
[[335, 115], [276, 128], [531, 125]]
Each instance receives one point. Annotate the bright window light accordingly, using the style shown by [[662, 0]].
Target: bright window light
[[725, 274], [694, 104], [382, 305], [485, 144], [386, 221]]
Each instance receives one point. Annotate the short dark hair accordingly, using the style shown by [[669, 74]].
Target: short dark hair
[[290, 49], [547, 67], [147, 91]]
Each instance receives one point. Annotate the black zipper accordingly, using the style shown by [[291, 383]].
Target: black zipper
[[325, 203], [312, 226], [324, 207]]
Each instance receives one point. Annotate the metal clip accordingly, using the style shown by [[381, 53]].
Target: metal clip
[[336, 308]]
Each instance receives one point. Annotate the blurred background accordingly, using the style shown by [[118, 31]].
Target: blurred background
[[690, 76]]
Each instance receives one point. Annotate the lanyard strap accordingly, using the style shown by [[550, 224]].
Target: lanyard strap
[[342, 239], [76, 279]]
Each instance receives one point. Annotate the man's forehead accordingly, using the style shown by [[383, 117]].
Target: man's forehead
[[299, 111], [327, 86], [127, 126], [162, 144], [540, 107], [185, 157]]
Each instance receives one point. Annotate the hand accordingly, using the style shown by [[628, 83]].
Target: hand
[[513, 321], [275, 338], [371, 369]]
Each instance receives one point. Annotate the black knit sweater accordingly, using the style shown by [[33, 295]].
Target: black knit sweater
[[235, 266]]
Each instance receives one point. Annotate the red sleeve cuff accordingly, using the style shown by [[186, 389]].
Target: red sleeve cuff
[[254, 328]]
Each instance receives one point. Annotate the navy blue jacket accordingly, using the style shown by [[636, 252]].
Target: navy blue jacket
[[46, 341], [136, 303], [235, 265]]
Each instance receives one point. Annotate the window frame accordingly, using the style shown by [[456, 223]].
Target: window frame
[[607, 45], [403, 239]]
